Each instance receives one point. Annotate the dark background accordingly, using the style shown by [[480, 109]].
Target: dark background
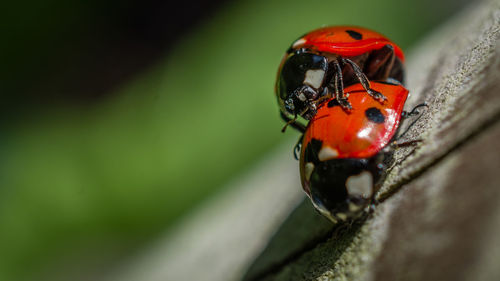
[[62, 51]]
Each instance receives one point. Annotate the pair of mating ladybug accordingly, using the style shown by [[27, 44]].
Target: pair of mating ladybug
[[344, 146]]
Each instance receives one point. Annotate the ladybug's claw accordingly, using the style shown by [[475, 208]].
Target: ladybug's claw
[[298, 147], [414, 111], [376, 95], [344, 103]]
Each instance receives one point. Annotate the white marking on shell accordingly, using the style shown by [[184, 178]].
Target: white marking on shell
[[327, 153], [365, 132], [302, 97], [308, 169], [298, 42], [360, 185], [314, 77], [341, 216], [353, 207]]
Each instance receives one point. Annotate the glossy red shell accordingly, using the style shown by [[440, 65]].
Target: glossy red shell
[[336, 40], [354, 134]]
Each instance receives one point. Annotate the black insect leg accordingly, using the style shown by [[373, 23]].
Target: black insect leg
[[298, 147], [339, 86], [363, 80], [397, 142], [413, 112]]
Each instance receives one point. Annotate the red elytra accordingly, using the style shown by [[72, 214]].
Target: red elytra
[[326, 60], [361, 132], [346, 41]]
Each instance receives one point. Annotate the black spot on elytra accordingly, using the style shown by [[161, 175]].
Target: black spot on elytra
[[354, 35], [312, 150], [373, 114], [332, 103]]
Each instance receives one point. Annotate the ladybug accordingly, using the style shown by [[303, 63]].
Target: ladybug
[[344, 153], [320, 63]]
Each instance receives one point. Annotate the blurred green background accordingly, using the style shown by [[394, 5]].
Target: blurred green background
[[119, 118]]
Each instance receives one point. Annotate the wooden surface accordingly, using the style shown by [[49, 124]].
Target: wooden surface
[[440, 213]]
